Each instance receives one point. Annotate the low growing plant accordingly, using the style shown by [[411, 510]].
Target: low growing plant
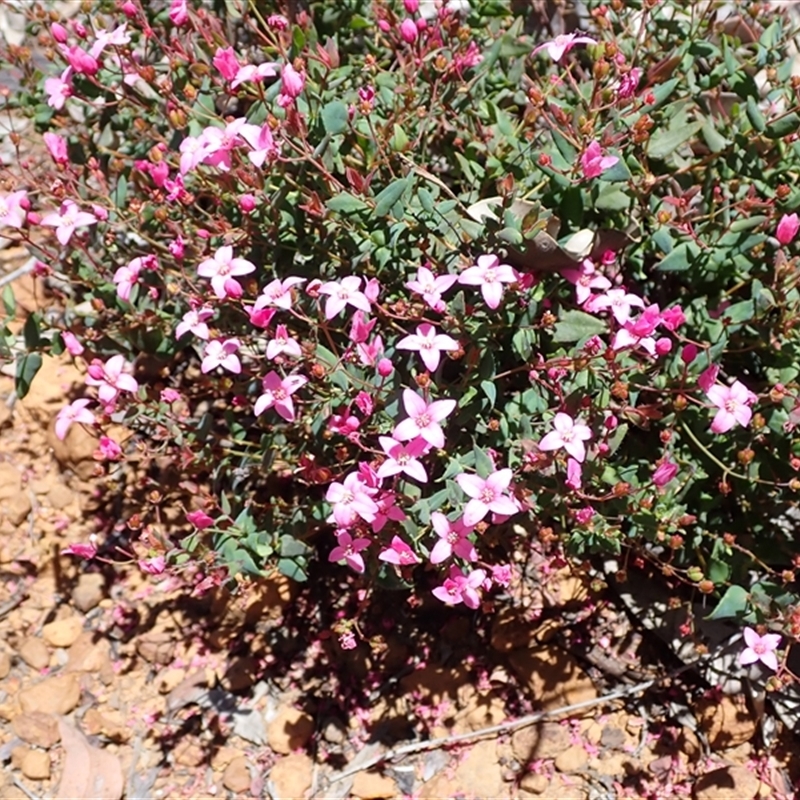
[[407, 288]]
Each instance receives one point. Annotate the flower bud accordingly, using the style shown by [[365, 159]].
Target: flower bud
[[408, 31], [59, 32], [385, 368], [247, 202], [411, 6]]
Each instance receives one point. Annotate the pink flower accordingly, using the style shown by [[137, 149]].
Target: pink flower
[[618, 301], [734, 406], [350, 500], [689, 354], [67, 219], [787, 228], [111, 378], [169, 396], [72, 344], [283, 344], [369, 352], [490, 275], [672, 318], [360, 329], [628, 84], [403, 458], [220, 142], [429, 344], [81, 550], [453, 538], [365, 403], [221, 268], [568, 434], [153, 566], [81, 62], [128, 276], [59, 89], [345, 424], [638, 332], [556, 48], [255, 73], [57, 145], [431, 287], [593, 162], [222, 353], [343, 293], [760, 648], [585, 279], [460, 588], [193, 150], [195, 320], [349, 550], [708, 377], [487, 494], [664, 473], [226, 62], [179, 12], [265, 148], [408, 31], [12, 209], [502, 574], [200, 519], [423, 419], [278, 392], [76, 411], [278, 294], [574, 479], [398, 553], [292, 83]]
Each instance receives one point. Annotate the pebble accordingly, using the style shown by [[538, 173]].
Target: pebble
[[727, 783], [89, 591], [57, 695], [237, 775], [36, 765], [291, 776], [290, 730], [36, 728], [34, 653], [63, 632]]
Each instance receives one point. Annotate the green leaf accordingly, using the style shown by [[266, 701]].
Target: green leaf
[[385, 201], [335, 117], [757, 119], [732, 604], [680, 258], [490, 390], [714, 139], [484, 465], [426, 199], [576, 325], [399, 141], [27, 367], [292, 569], [619, 172], [9, 301], [783, 126], [31, 332], [612, 198], [120, 196], [666, 141], [346, 203]]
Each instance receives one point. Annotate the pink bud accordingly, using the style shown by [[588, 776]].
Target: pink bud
[[233, 289], [159, 173], [129, 9], [689, 354], [412, 6], [292, 81], [384, 25], [277, 22], [79, 29], [408, 31], [59, 32], [177, 247], [787, 228], [100, 212], [611, 423], [708, 377], [33, 218], [663, 345], [372, 290], [71, 342], [247, 203], [422, 23], [664, 473], [385, 368]]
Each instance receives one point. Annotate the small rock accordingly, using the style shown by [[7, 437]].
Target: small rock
[[189, 753], [34, 653], [479, 773], [553, 677], [18, 507], [95, 723], [533, 783], [76, 451], [290, 730], [157, 647], [727, 783], [37, 729], [10, 481], [573, 759], [237, 775], [5, 665], [36, 765], [545, 740], [726, 721], [169, 679], [334, 732], [18, 754], [242, 673], [291, 776], [60, 496], [88, 653], [58, 695], [63, 632], [89, 591], [373, 786]]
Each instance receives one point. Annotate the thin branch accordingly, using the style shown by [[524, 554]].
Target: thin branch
[[19, 272], [502, 728]]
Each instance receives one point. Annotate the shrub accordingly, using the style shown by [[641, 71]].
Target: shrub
[[406, 288]]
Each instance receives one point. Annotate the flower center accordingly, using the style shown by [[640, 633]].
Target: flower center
[[452, 537], [490, 276], [279, 394], [487, 496], [731, 406], [759, 648], [423, 420]]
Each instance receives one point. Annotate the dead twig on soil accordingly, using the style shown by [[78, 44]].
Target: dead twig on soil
[[18, 273], [23, 788], [507, 727]]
